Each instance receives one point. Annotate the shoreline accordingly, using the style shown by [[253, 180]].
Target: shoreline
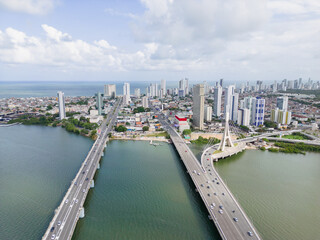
[[141, 139]]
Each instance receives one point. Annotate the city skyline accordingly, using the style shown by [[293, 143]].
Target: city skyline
[[153, 40]]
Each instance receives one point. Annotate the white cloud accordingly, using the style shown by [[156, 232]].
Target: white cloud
[[58, 49], [38, 7], [236, 39]]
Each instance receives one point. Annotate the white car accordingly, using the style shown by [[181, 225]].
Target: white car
[[67, 201], [83, 190], [53, 236]]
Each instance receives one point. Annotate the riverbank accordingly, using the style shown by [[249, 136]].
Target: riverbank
[[159, 139], [285, 147], [80, 126], [9, 125]]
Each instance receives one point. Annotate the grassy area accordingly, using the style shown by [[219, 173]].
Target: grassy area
[[202, 140], [162, 134], [294, 148], [296, 136], [217, 151]]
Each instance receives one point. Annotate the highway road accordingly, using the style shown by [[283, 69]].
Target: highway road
[[229, 218], [67, 214]]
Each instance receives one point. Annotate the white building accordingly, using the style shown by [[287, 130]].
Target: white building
[[217, 101], [234, 107], [198, 106], [145, 102], [62, 110], [228, 99], [280, 116], [282, 103], [243, 117], [208, 113], [110, 90], [181, 123], [163, 87], [126, 93], [137, 92]]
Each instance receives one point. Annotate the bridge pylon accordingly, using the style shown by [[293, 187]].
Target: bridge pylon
[[226, 138]]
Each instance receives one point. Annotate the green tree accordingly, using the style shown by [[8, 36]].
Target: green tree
[[121, 128], [84, 131], [138, 110], [186, 132], [145, 128]]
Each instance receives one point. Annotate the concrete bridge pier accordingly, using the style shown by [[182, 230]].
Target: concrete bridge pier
[[81, 215], [98, 167], [92, 183]]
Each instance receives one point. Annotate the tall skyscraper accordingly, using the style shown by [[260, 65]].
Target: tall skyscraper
[[62, 110], [163, 87], [208, 113], [99, 102], [217, 101], [244, 117], [186, 85], [182, 88], [126, 93], [110, 90], [228, 99], [280, 116], [234, 107], [282, 103], [137, 92], [221, 82], [145, 103], [198, 106], [257, 111], [126, 89]]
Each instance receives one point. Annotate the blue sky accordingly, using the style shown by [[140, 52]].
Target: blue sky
[[147, 40]]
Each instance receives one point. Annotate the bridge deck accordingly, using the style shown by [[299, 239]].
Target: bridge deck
[[67, 214], [230, 219]]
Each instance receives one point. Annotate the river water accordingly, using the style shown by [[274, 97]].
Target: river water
[[143, 192]]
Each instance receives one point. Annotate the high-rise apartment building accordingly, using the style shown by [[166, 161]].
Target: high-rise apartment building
[[257, 111], [280, 116], [208, 113], [62, 110], [99, 102], [229, 92], [137, 92], [145, 103], [282, 103], [186, 85], [126, 93], [163, 87], [198, 106], [234, 107], [221, 82], [243, 117], [217, 101], [110, 90]]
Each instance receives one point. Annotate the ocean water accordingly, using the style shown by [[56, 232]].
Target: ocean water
[[49, 89]]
